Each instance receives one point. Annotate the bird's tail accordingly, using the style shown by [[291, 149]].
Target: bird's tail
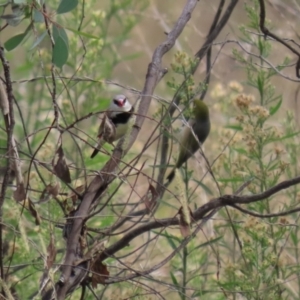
[[98, 146], [95, 152], [171, 176]]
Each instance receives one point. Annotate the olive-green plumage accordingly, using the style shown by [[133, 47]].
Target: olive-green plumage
[[200, 125]]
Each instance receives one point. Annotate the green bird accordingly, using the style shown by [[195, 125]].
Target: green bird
[[200, 125]]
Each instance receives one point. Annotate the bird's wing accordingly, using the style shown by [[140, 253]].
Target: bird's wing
[[106, 133], [107, 130], [188, 144]]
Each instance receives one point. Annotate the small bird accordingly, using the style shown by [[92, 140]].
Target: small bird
[[115, 122], [200, 124]]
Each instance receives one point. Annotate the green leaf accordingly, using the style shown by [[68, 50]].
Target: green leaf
[[175, 282], [38, 40], [288, 136], [273, 167], [20, 2], [60, 52], [66, 6], [171, 238], [234, 127], [61, 47], [205, 187], [16, 40], [83, 33], [206, 244], [233, 179], [294, 238], [12, 20], [275, 108], [241, 151], [4, 3], [38, 16], [60, 32], [18, 9]]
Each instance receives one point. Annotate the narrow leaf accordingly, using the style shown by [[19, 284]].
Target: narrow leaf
[[33, 212], [208, 243], [60, 32], [174, 280], [204, 186], [20, 2], [233, 179], [13, 20], [61, 168], [51, 252], [38, 16], [38, 40], [15, 41], [275, 108], [61, 47], [83, 33], [150, 199], [66, 6], [60, 53], [241, 151], [234, 127]]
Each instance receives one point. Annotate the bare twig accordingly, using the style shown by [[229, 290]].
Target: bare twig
[[99, 184], [275, 37]]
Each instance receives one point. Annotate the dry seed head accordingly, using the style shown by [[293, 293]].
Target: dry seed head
[[276, 132], [248, 129], [243, 101], [259, 111], [246, 239], [250, 223], [278, 151], [240, 118], [283, 221], [283, 165], [236, 139], [251, 144], [218, 92], [236, 86]]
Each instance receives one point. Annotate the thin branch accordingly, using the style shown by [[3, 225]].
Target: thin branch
[[274, 36], [99, 184], [201, 212]]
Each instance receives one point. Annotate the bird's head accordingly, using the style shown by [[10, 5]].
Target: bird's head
[[120, 104], [201, 111]]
